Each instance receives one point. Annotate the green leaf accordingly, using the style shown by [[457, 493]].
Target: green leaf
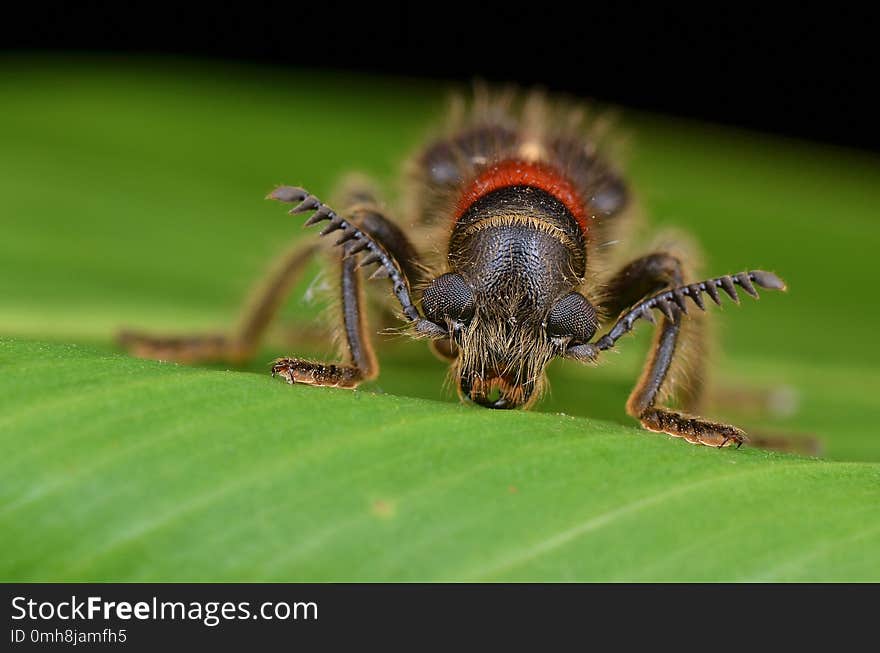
[[131, 194]]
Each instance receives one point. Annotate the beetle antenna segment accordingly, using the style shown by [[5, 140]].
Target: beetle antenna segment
[[355, 240], [672, 302]]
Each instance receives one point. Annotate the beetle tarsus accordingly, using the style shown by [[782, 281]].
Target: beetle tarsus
[[692, 429]]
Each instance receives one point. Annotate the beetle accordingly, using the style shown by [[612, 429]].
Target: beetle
[[505, 259]]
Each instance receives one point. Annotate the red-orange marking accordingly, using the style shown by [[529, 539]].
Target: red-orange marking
[[524, 173]]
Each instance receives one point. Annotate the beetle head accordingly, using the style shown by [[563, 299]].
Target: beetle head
[[507, 318]]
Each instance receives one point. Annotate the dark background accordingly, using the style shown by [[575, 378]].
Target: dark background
[[796, 71]]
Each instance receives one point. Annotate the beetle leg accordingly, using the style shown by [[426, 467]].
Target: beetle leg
[[239, 345], [656, 383], [361, 364], [642, 277], [365, 229]]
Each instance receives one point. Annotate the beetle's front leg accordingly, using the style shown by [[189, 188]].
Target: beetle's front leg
[[382, 243], [361, 365], [657, 382]]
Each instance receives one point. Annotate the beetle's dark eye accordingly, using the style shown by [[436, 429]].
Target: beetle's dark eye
[[572, 317], [448, 296]]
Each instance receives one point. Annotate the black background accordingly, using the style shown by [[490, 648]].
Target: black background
[[808, 72]]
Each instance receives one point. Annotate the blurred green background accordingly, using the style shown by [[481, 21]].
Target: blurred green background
[[131, 194]]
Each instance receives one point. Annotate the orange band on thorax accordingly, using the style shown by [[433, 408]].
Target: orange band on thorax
[[513, 172]]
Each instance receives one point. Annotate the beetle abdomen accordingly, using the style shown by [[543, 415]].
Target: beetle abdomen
[[500, 141]]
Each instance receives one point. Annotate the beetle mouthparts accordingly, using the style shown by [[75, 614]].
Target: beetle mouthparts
[[497, 392]]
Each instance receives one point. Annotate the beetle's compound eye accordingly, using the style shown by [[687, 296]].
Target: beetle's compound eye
[[450, 297], [572, 317]]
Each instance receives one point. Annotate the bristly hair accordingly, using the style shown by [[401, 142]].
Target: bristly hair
[[505, 341]]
